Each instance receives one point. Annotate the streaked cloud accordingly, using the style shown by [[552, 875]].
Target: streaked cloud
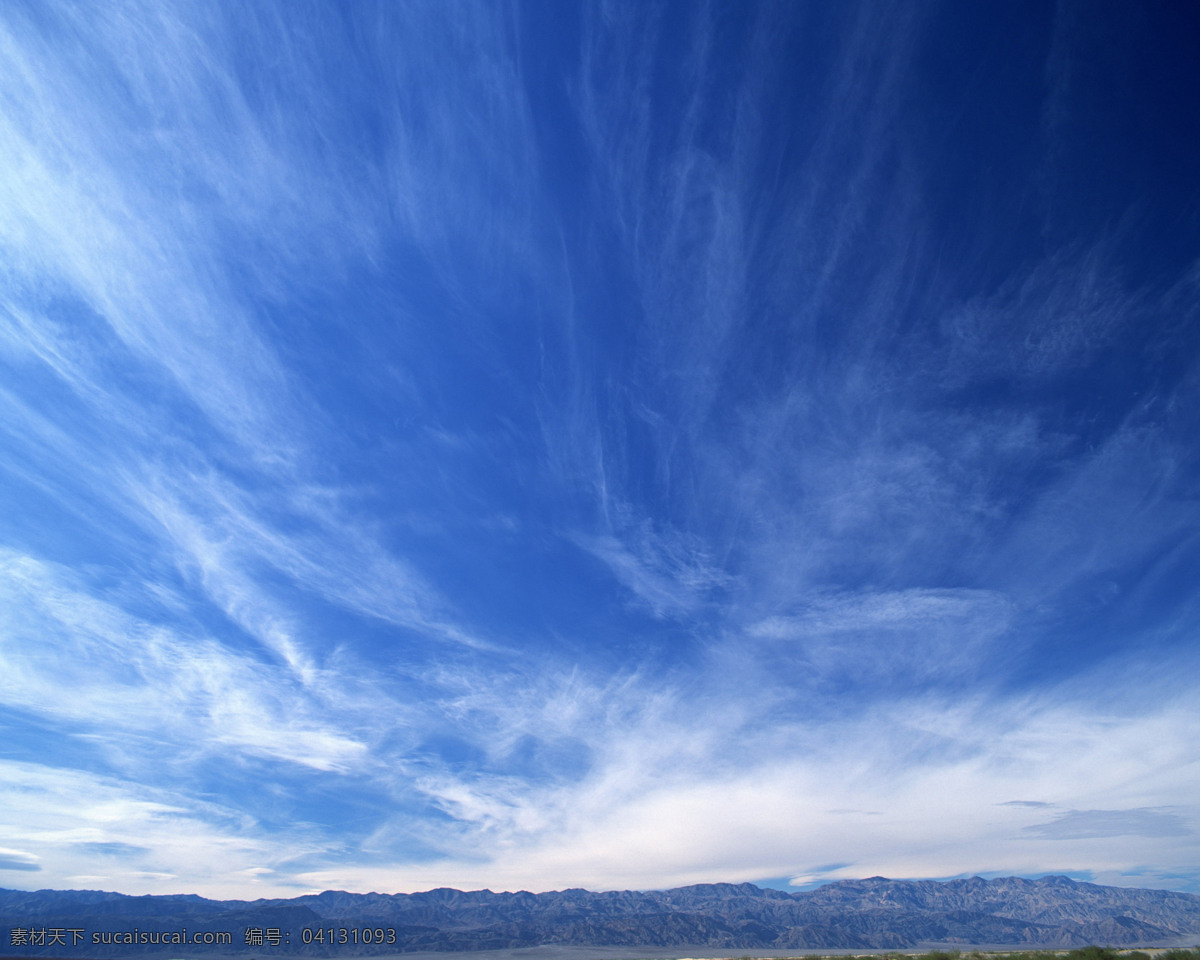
[[1141, 822], [18, 860]]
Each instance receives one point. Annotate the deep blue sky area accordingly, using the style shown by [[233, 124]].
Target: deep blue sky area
[[617, 445]]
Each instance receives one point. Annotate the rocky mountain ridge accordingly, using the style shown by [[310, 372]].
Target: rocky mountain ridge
[[872, 914]]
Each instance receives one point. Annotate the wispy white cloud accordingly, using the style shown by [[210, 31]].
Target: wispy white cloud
[[137, 228], [68, 213], [59, 812], [128, 675], [654, 767], [18, 860], [932, 769], [227, 535], [670, 574], [1138, 822], [892, 637], [678, 775]]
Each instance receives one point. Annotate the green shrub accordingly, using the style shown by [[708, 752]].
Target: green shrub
[[1093, 953]]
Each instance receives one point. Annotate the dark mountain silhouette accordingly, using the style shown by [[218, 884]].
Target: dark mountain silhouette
[[874, 914]]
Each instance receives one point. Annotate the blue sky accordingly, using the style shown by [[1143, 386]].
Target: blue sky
[[614, 445]]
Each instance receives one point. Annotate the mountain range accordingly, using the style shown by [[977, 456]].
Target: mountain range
[[872, 914]]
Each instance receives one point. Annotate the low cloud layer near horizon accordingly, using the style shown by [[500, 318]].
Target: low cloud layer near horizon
[[612, 445]]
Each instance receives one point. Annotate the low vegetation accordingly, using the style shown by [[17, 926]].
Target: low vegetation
[[1082, 953]]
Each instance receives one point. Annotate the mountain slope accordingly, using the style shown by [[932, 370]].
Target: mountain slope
[[868, 914]]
